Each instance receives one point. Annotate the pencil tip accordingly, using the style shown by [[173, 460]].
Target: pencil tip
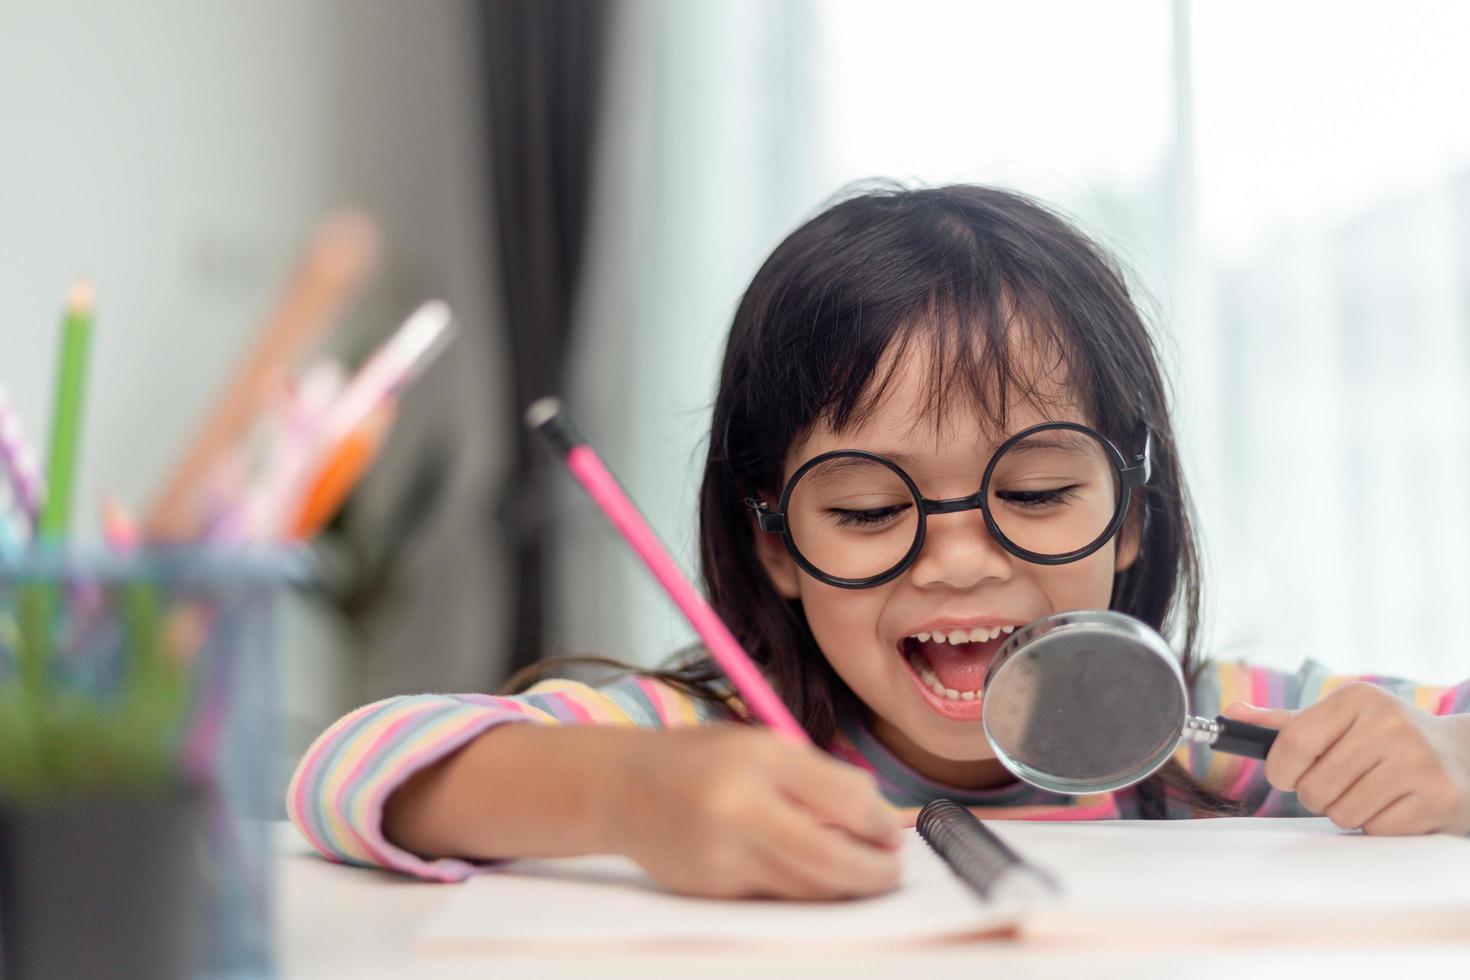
[[79, 297]]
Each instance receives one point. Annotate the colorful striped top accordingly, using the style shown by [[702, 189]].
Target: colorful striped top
[[336, 795]]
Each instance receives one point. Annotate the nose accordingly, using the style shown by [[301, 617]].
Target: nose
[[959, 552]]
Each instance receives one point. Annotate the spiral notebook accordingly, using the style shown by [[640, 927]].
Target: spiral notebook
[[1120, 882]]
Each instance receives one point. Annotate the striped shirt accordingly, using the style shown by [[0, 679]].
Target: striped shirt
[[336, 795]]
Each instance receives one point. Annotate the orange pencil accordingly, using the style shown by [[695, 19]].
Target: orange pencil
[[342, 471]]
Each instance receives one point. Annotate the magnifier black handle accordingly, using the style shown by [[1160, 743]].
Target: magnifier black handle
[[1242, 738]]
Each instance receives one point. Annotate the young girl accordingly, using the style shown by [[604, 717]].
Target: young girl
[[901, 343]]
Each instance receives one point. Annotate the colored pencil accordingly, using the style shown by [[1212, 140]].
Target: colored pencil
[[334, 267], [38, 600], [396, 362], [264, 511], [71, 380], [18, 463], [546, 417], [388, 371], [342, 471]]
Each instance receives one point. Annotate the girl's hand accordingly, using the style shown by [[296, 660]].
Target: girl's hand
[[1366, 758], [729, 811]]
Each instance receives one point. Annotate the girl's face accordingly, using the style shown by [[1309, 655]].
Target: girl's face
[[962, 580]]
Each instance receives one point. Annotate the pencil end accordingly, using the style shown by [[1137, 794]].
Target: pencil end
[[545, 416], [345, 247], [542, 410]]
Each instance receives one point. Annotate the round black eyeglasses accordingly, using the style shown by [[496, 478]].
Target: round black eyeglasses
[[1051, 494]]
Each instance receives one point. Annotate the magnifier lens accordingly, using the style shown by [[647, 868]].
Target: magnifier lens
[[1084, 707]]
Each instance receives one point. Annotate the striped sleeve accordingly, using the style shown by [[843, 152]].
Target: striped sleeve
[[1242, 779], [335, 798]]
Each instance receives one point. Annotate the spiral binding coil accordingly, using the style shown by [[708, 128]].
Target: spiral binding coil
[[968, 846]]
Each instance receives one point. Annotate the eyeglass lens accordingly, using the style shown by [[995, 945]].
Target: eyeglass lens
[[1051, 493]]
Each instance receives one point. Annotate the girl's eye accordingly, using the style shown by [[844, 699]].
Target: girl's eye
[[1036, 499], [866, 518]]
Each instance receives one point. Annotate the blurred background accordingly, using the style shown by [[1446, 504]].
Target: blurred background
[[592, 184]]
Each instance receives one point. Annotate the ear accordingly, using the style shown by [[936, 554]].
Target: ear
[[777, 561], [1130, 538]]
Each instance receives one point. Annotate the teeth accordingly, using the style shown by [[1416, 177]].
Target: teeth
[[956, 636], [931, 680], [980, 634]]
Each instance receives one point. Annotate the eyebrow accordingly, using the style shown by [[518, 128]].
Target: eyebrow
[[1064, 440], [827, 467]]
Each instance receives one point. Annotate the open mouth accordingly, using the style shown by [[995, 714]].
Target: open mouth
[[949, 666]]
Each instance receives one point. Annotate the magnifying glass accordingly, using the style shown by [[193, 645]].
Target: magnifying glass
[[1093, 701]]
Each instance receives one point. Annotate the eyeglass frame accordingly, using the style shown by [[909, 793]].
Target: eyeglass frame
[[1136, 475]]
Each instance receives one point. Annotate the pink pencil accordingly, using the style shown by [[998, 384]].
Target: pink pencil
[[546, 417]]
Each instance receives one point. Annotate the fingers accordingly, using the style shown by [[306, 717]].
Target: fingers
[[1307, 735], [786, 821], [1401, 817], [770, 876], [843, 795], [737, 871], [817, 861], [1269, 717], [1369, 795], [1368, 759], [1330, 776]]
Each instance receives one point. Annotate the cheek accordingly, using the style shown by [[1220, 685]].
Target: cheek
[[1085, 584], [844, 622]]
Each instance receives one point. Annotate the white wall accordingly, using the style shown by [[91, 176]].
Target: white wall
[[178, 153]]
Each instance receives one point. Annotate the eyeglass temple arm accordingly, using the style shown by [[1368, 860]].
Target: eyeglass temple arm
[[1138, 474], [764, 519]]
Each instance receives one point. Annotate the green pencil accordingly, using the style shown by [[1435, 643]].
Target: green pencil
[[38, 601], [71, 378]]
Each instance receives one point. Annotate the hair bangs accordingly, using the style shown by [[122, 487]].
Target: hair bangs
[[983, 352]]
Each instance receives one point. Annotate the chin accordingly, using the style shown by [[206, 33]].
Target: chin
[[964, 746], [943, 738]]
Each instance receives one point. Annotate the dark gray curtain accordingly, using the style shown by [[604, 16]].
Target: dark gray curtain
[[544, 79]]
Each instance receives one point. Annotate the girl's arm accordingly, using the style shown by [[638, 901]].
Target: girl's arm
[[430, 785], [337, 795], [719, 810], [528, 790], [1224, 684]]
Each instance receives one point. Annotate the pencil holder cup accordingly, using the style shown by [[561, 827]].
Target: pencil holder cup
[[138, 758]]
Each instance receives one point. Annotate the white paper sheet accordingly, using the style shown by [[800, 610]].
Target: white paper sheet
[[1125, 881], [606, 899], [1246, 878]]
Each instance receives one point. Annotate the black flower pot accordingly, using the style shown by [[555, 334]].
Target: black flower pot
[[102, 887]]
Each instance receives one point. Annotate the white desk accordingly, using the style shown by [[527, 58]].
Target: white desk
[[349, 922]]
